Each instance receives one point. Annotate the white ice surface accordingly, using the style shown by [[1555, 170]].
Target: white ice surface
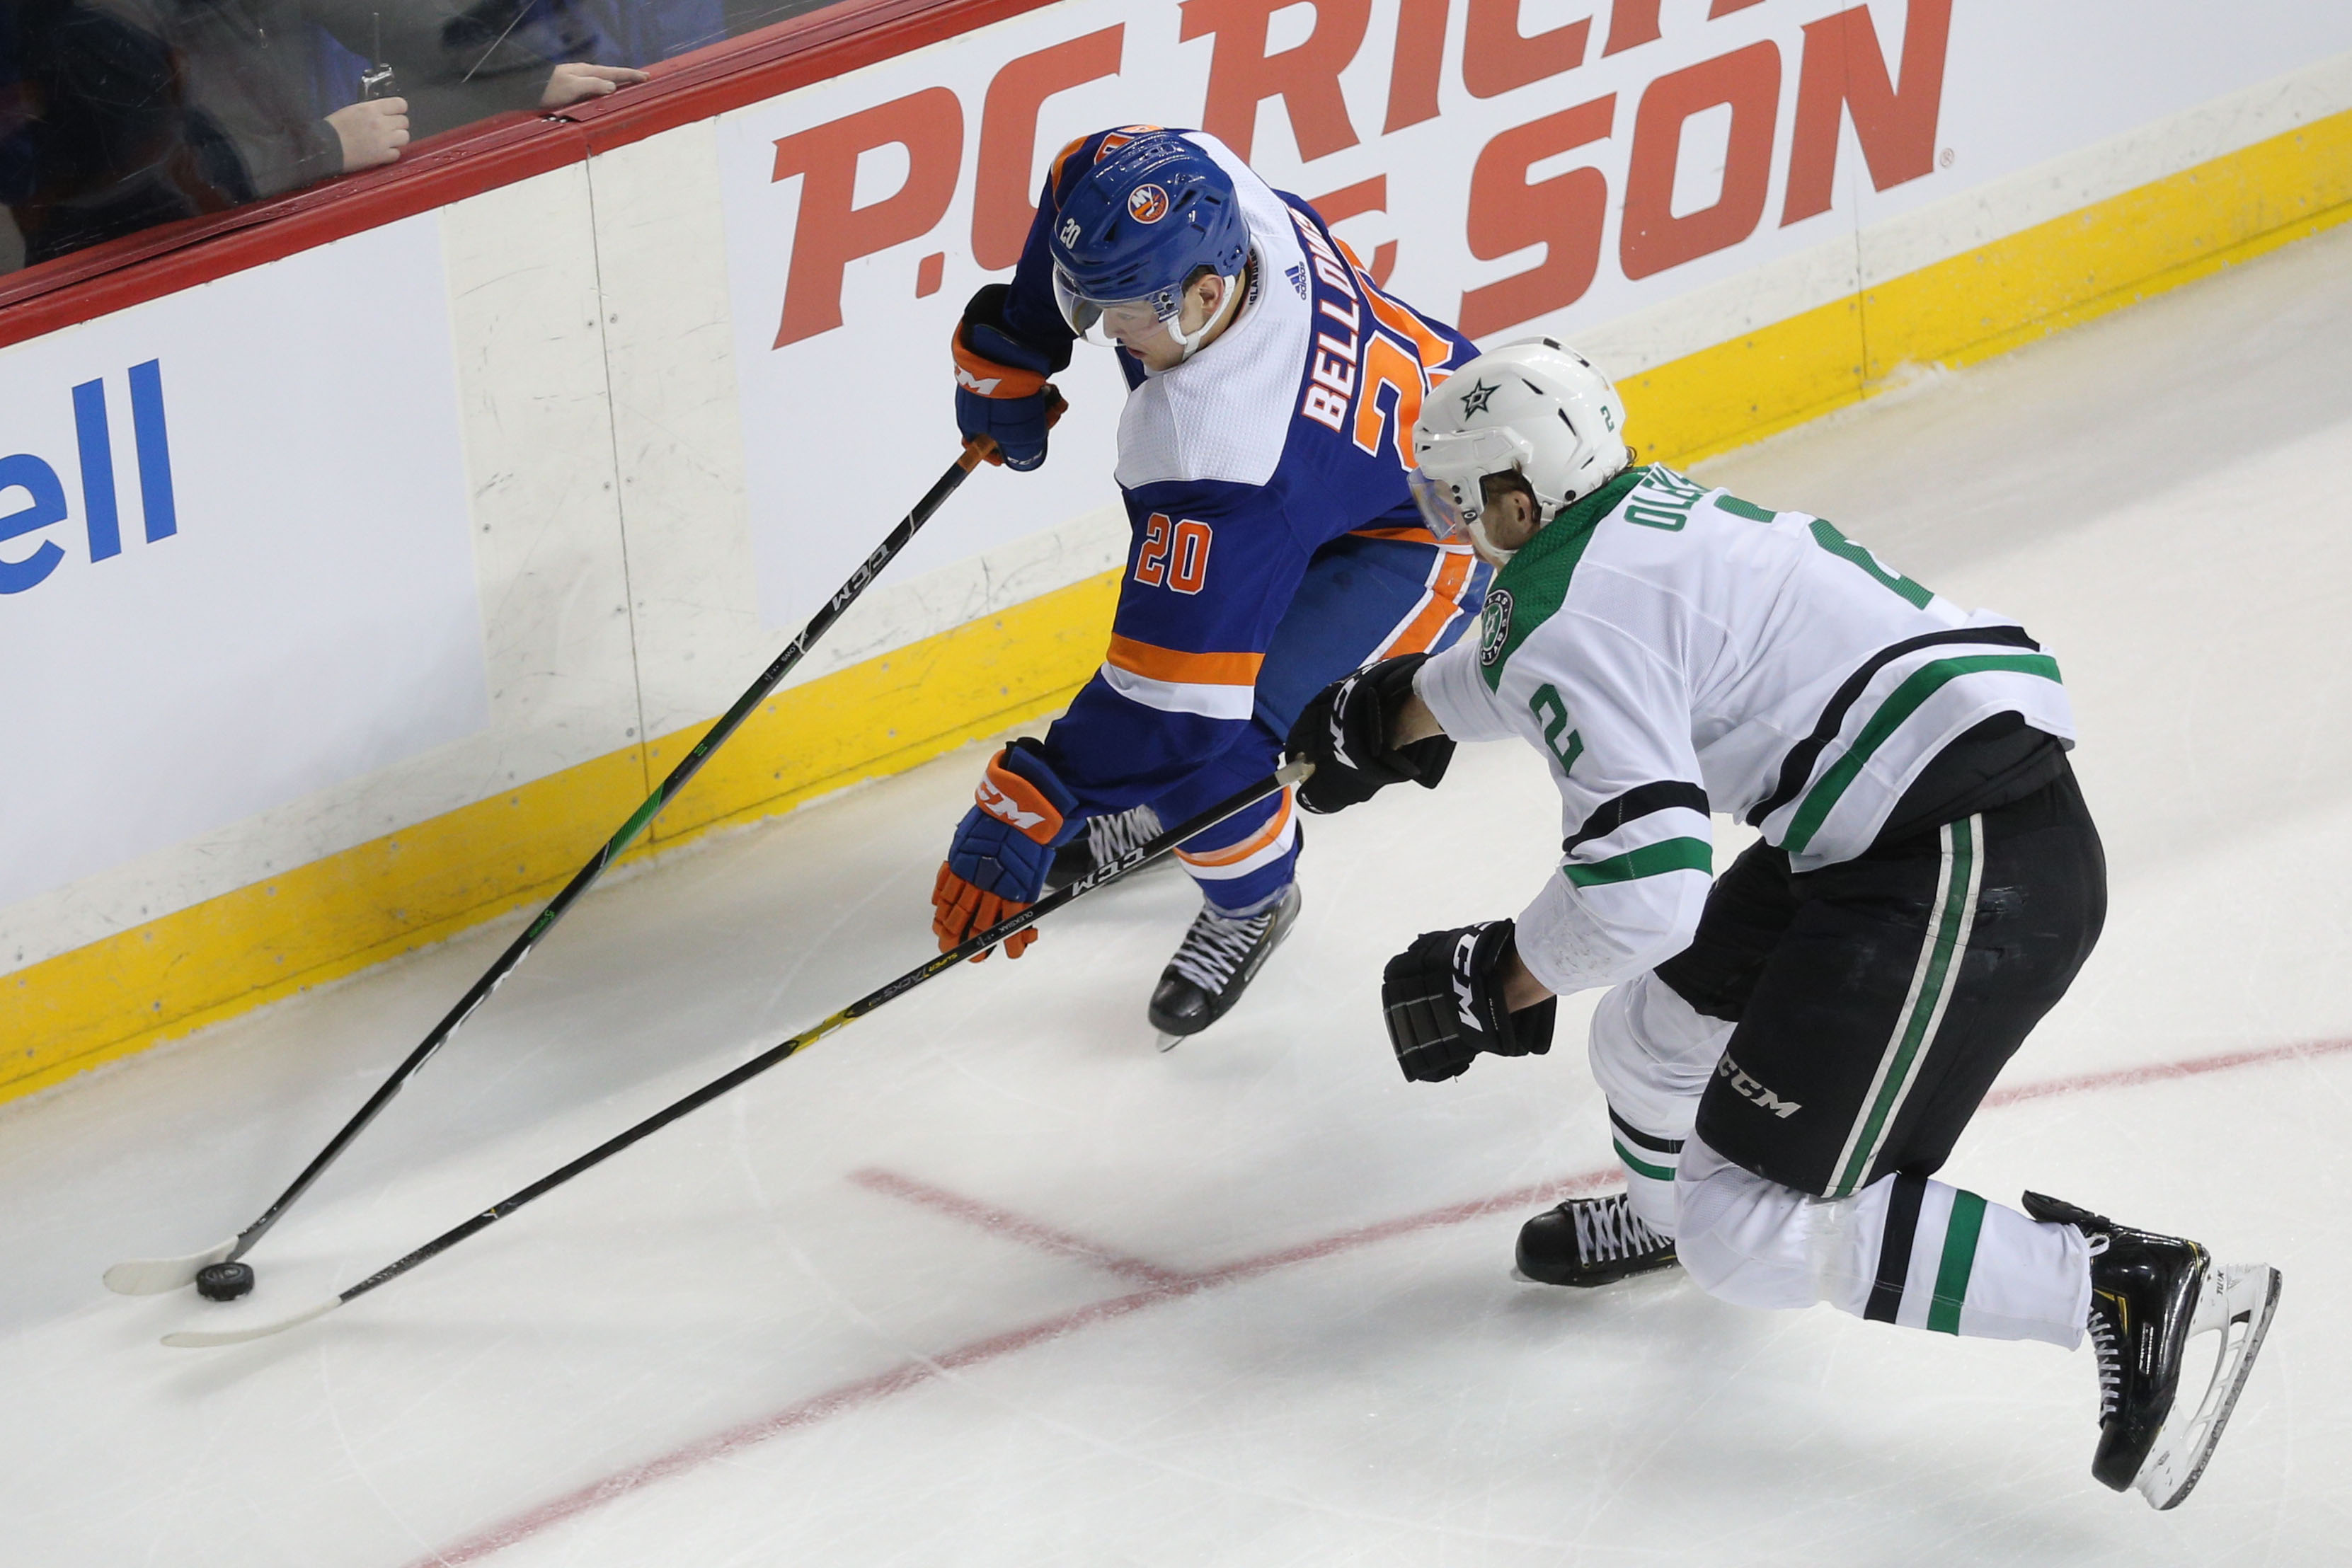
[[986, 1279]]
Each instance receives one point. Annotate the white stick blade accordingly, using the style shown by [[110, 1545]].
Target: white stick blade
[[205, 1339], [154, 1276]]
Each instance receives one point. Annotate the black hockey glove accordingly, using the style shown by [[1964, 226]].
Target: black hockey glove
[[1443, 997], [1344, 732]]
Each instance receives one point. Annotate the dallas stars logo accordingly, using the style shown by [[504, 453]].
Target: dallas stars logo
[[1494, 626], [1476, 399]]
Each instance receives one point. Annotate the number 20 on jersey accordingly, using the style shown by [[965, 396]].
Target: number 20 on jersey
[[1173, 554]]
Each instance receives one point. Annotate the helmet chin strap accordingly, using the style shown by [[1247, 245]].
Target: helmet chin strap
[[1494, 553], [1189, 341]]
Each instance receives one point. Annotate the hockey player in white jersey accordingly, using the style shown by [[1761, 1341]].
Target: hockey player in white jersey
[[1789, 1052]]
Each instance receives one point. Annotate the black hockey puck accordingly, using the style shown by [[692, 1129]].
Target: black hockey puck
[[223, 1282]]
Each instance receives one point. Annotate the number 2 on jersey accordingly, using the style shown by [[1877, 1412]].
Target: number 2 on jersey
[[1174, 554], [1826, 534], [1552, 713]]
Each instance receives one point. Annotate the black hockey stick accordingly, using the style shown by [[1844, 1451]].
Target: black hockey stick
[[1288, 774], [145, 1276]]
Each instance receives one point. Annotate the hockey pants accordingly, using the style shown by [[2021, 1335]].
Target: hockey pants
[[1780, 1092], [1364, 597]]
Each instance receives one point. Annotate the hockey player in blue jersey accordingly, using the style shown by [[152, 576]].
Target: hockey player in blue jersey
[[1262, 456]]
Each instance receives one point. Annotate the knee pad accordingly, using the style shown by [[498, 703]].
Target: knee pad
[[1744, 1238], [1652, 1054]]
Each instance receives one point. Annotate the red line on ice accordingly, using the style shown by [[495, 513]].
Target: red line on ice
[[1165, 1285], [1018, 1227]]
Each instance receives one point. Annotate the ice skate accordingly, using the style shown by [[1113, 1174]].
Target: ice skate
[[1218, 957], [1589, 1241], [2152, 1297], [1105, 840]]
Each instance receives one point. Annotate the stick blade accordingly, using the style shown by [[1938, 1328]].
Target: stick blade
[[205, 1339], [154, 1276]]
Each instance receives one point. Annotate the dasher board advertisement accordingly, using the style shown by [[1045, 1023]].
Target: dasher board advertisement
[[1510, 165], [234, 561]]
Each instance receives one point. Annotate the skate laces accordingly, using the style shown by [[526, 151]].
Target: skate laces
[[1608, 1228], [1109, 838], [2108, 1345], [2106, 1336], [1218, 944]]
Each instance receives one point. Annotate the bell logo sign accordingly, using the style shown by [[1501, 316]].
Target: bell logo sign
[[32, 497]]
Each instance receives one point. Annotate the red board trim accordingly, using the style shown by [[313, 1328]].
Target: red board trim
[[155, 262]]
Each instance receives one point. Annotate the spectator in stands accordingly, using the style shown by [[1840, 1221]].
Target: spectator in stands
[[140, 112], [458, 61], [117, 115], [643, 31]]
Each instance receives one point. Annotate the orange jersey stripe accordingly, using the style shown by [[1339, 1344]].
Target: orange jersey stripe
[[1157, 663], [1412, 534], [1445, 598], [1248, 846]]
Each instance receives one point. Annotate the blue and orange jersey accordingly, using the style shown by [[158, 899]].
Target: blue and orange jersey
[[1291, 429]]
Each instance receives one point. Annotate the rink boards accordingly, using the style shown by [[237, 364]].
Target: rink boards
[[371, 586]]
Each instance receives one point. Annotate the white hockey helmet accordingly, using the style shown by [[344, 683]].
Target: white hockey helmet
[[1535, 408]]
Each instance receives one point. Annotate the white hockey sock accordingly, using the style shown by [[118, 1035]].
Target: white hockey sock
[[1649, 1162], [1652, 1055], [1902, 1250]]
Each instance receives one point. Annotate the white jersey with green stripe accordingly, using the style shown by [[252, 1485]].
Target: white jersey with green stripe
[[1673, 649]]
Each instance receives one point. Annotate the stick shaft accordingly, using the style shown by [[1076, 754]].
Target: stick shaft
[[581, 880], [1149, 850]]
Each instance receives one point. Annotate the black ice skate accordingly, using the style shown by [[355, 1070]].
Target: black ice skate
[[1590, 1241], [1214, 966], [2150, 1296], [1105, 840]]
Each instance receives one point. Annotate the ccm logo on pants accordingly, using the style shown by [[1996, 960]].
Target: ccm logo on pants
[[1748, 1089]]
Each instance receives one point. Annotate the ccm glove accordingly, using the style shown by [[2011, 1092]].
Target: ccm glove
[[997, 863], [1344, 732], [1000, 388], [1443, 997]]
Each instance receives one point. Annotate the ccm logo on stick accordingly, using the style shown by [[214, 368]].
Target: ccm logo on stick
[[44, 503]]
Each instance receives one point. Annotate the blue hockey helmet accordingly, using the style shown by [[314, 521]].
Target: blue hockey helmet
[[1137, 224]]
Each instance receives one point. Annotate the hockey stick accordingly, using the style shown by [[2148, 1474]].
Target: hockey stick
[[1289, 773], [149, 1276]]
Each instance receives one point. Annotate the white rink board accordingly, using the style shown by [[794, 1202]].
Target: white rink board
[[655, 492], [314, 617], [865, 1312]]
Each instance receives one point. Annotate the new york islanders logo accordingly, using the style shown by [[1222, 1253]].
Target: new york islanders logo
[[1147, 204], [1494, 626]]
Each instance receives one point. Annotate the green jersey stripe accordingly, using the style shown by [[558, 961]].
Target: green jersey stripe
[[1532, 586], [1641, 1168], [1947, 939], [1960, 1232], [1650, 860], [1906, 700]]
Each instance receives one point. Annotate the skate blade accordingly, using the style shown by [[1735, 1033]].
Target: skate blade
[[1170, 1041], [2237, 1304]]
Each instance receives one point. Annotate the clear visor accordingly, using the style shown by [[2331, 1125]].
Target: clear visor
[[1107, 322], [1438, 510]]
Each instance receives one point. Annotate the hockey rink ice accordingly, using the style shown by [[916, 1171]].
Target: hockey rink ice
[[984, 1280]]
